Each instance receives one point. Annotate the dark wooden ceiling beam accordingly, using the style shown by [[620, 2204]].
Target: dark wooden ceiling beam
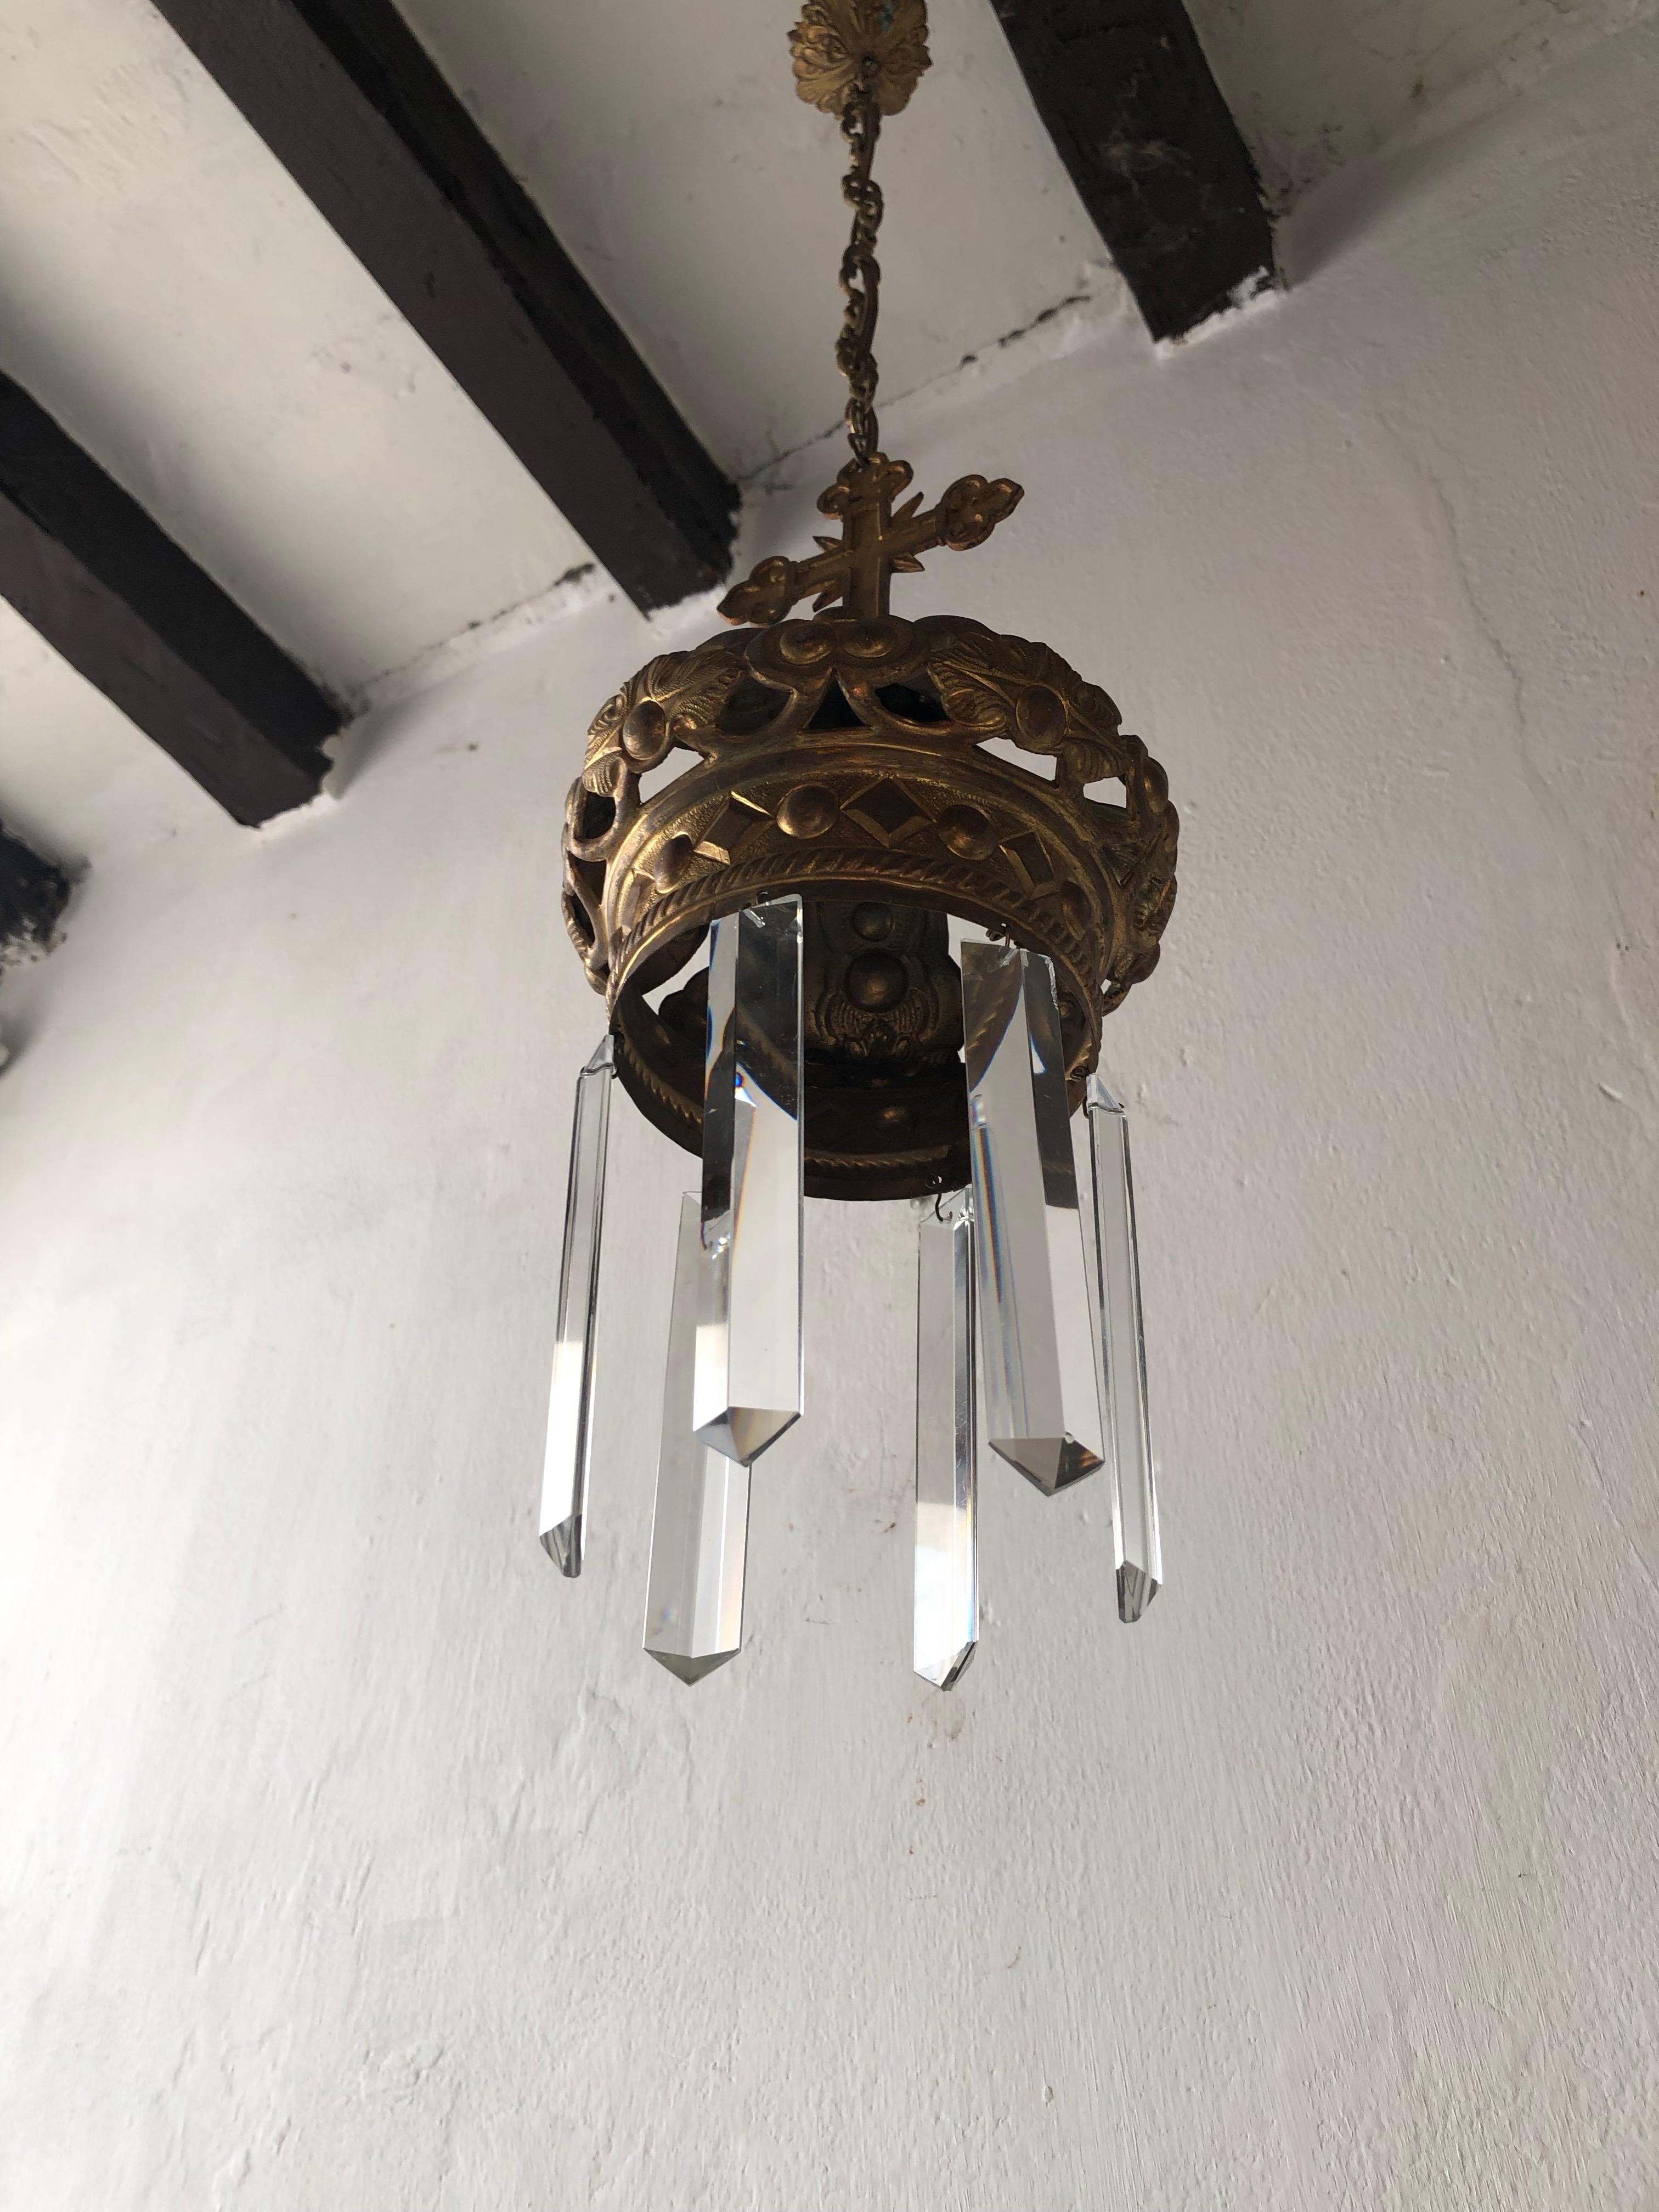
[[81, 561], [346, 98], [1153, 148]]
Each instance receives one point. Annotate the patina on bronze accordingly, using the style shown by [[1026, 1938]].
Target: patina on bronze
[[844, 757]]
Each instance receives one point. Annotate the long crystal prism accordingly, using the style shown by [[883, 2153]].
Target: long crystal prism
[[1037, 1334], [570, 1406], [700, 1523], [747, 1388], [947, 1620], [1123, 1358]]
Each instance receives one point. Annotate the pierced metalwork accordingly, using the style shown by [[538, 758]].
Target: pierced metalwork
[[828, 790], [848, 759]]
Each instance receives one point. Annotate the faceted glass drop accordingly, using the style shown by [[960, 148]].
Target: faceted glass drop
[[1123, 1358], [747, 1390], [700, 1524], [570, 1406], [946, 1621], [1036, 1318]]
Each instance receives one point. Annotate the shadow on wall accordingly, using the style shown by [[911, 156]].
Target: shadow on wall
[[1349, 205], [34, 895], [1421, 167]]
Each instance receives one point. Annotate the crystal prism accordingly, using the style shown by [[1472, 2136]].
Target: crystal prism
[[1036, 1332], [1123, 1358], [570, 1406], [747, 1386], [946, 1622], [700, 1524]]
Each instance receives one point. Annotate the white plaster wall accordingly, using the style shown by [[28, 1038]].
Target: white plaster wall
[[348, 1857], [1314, 86]]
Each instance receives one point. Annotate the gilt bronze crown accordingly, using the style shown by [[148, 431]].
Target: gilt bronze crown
[[846, 758]]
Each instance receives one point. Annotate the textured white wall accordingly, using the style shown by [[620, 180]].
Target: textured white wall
[[1314, 86], [348, 1857]]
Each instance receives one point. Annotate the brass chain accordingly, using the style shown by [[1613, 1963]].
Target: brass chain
[[860, 272]]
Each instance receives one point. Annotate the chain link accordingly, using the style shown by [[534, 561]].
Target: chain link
[[860, 272]]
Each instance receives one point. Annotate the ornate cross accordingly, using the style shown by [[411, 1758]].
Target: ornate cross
[[876, 542]]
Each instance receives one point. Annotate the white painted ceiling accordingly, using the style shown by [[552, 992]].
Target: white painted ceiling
[[168, 293]]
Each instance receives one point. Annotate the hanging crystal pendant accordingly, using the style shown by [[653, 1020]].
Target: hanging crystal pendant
[[570, 1408], [700, 1523], [747, 1386], [947, 1620], [1123, 1358], [1042, 1403]]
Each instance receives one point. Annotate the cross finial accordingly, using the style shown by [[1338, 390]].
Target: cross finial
[[876, 542]]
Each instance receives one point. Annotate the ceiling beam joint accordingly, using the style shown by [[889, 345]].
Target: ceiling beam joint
[[348, 100], [1140, 124], [130, 610]]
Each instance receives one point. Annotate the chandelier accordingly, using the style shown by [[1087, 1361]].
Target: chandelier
[[917, 913]]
